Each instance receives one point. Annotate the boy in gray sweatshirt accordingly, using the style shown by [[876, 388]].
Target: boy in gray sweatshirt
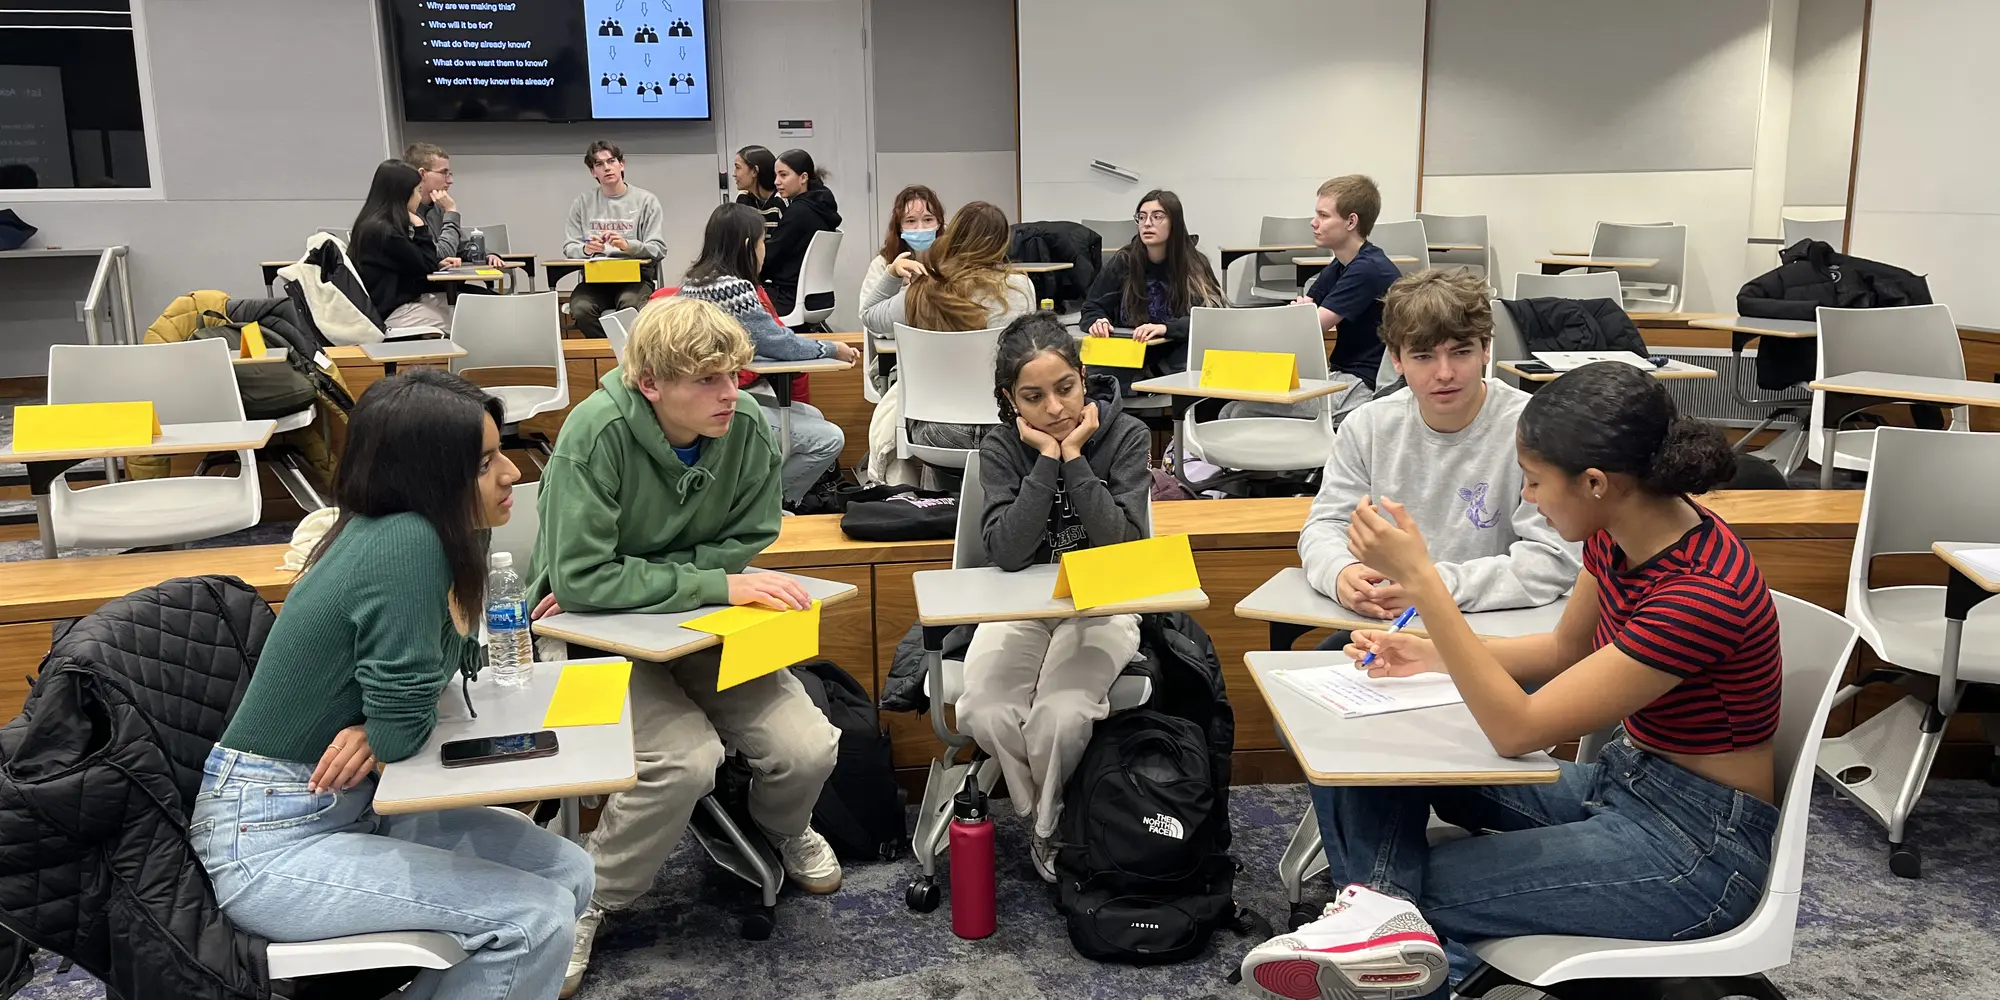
[[1444, 448], [613, 219]]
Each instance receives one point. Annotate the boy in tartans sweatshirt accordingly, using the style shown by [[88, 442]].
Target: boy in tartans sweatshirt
[[612, 220], [1444, 448], [661, 490]]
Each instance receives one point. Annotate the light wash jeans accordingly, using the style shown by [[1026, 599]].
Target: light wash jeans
[[1632, 846], [816, 444], [293, 866]]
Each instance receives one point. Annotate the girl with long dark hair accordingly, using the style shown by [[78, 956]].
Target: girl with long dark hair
[[756, 175], [395, 252], [1670, 633], [1150, 285], [387, 611], [809, 208]]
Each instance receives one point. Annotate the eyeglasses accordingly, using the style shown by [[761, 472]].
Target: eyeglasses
[[1156, 218], [446, 171]]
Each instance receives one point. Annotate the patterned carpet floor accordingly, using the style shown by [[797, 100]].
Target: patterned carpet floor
[[1862, 931]]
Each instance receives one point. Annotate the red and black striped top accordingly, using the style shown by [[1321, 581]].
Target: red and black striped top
[[1699, 611]]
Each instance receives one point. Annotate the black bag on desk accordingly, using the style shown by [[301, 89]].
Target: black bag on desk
[[1812, 274], [900, 514], [13, 231]]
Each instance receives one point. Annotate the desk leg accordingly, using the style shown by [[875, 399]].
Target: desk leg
[[572, 818], [781, 386], [41, 483], [1180, 452], [45, 525], [1829, 435], [1284, 635], [388, 368]]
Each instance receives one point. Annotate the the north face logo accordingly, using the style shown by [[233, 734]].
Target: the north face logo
[[1165, 826]]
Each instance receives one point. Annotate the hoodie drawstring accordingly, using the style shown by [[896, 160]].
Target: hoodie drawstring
[[697, 478]]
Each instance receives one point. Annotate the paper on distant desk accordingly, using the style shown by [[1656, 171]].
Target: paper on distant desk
[[1986, 561], [1564, 361], [1354, 694]]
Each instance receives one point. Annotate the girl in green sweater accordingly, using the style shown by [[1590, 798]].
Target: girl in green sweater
[[351, 675]]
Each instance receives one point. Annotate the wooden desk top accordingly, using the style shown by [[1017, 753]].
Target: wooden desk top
[[1275, 248], [1449, 247], [1327, 261], [851, 339], [558, 262], [174, 439], [413, 352], [1586, 260], [1039, 267], [1289, 598], [789, 367], [1673, 370], [574, 349], [1791, 329], [1921, 388], [1189, 384], [989, 594], [1950, 552], [657, 638], [470, 272]]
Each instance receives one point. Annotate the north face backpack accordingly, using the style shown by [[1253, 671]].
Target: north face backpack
[[860, 811], [1143, 870]]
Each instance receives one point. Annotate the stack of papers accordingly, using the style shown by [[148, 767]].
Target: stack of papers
[[1564, 361], [1353, 694]]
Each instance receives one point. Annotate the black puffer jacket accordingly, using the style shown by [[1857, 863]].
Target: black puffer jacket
[[1811, 274], [1554, 324], [1058, 243], [97, 777]]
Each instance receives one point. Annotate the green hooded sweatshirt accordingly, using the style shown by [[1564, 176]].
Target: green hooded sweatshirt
[[625, 526]]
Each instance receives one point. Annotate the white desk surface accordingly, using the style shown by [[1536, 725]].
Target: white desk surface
[[884, 345], [1449, 247], [560, 262], [990, 594], [32, 253], [1275, 248], [1290, 599], [1327, 260], [174, 439], [1791, 329], [659, 637], [1589, 260], [763, 367], [1949, 552], [470, 272], [1673, 370], [412, 350], [1189, 384], [271, 356], [1039, 267], [1428, 746], [1921, 388], [589, 760]]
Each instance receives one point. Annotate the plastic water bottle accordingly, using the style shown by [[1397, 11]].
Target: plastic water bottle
[[475, 247], [1048, 305], [972, 889], [510, 650]]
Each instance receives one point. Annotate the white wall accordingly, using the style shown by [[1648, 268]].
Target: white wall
[[1924, 191], [1241, 108], [952, 131], [1826, 78]]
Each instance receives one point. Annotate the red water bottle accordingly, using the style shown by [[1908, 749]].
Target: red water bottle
[[972, 901]]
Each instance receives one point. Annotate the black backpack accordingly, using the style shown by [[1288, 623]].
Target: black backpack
[[860, 811], [1142, 862], [899, 514]]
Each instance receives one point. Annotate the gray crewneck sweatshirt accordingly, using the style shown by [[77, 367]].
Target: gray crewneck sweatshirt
[[634, 215], [1464, 489]]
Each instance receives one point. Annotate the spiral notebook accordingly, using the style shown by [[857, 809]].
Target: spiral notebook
[[1353, 694]]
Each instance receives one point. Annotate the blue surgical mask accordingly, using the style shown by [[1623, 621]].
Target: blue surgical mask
[[919, 240]]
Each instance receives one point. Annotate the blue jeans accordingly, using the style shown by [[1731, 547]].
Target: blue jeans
[[816, 444], [1632, 846], [293, 866]]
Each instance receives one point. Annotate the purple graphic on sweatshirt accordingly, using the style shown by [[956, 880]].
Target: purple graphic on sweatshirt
[[1476, 510]]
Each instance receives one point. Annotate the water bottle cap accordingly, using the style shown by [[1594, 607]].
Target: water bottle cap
[[500, 560], [969, 805]]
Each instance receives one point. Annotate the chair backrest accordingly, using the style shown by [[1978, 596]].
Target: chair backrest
[[1833, 231], [618, 329], [1404, 239], [1115, 232], [1816, 645], [1467, 229], [188, 382], [816, 275], [947, 377], [496, 237], [1508, 344], [508, 331], [968, 547], [1282, 329], [518, 535], [1926, 486], [1902, 340], [1666, 242], [1587, 285], [1281, 231]]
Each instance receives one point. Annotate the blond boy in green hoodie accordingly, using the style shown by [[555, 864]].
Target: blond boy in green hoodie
[[662, 488]]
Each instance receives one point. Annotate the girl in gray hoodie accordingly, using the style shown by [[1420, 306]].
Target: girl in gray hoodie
[[1065, 470]]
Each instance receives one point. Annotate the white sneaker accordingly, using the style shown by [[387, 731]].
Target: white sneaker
[[1042, 851], [1366, 946], [809, 861], [579, 952]]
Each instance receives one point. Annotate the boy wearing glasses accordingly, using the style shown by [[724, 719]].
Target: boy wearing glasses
[[438, 210]]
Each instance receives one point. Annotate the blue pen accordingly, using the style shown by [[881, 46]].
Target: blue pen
[[1401, 620]]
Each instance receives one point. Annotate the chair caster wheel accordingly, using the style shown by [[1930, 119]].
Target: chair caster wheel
[[1302, 914], [1905, 861], [923, 895], [757, 925]]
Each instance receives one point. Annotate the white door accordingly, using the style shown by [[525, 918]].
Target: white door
[[803, 60]]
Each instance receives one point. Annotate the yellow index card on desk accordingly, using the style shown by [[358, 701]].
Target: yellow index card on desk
[[1255, 371], [1117, 574], [253, 341], [758, 641], [589, 694], [1114, 352], [611, 270], [486, 272], [84, 426]]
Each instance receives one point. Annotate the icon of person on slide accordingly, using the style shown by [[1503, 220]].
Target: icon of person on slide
[[680, 29], [643, 34], [650, 96], [684, 84], [612, 28]]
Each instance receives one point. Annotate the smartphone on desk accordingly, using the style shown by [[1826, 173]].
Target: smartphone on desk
[[1533, 368], [493, 749]]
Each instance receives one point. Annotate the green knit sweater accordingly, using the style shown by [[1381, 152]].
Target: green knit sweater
[[366, 637]]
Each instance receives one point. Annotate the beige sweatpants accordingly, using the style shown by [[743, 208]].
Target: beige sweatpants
[[679, 725], [1033, 690]]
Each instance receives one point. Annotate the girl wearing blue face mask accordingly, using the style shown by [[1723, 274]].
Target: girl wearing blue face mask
[[913, 226]]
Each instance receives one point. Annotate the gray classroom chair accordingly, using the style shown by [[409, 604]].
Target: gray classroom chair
[[1899, 340], [514, 331], [1262, 444], [1114, 232], [1275, 278], [941, 377], [1660, 288], [1832, 231], [1573, 284], [815, 279], [1469, 230], [618, 330], [1404, 239]]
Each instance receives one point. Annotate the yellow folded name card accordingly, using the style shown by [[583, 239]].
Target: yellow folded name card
[[1114, 352], [1117, 574], [253, 341], [758, 641], [589, 694], [611, 271], [1255, 371], [84, 426]]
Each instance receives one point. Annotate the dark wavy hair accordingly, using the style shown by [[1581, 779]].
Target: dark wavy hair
[[413, 444], [1023, 341], [385, 213], [729, 245], [1615, 418], [763, 163], [1190, 280], [801, 162]]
